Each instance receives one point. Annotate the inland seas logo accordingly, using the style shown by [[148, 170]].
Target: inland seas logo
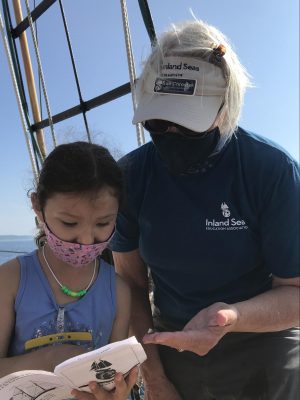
[[227, 223]]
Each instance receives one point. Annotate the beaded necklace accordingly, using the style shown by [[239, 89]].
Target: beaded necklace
[[64, 288]]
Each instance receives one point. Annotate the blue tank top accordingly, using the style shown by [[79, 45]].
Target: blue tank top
[[40, 321]]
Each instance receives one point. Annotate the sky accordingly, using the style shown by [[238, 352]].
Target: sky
[[265, 35]]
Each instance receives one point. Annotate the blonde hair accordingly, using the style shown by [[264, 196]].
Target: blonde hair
[[196, 39]]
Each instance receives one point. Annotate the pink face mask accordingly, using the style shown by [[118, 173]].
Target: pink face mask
[[76, 254]]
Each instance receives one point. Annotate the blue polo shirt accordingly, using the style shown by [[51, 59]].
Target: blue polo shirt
[[217, 235]]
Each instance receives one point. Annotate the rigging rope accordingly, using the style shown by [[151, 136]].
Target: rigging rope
[[15, 84], [131, 68], [39, 91], [83, 106], [82, 103], [35, 45]]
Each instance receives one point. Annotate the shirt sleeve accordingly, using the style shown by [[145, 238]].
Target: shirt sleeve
[[280, 221]]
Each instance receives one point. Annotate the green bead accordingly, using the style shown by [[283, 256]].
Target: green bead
[[64, 289], [71, 293]]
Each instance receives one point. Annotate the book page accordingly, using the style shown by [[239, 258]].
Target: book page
[[102, 364], [33, 385]]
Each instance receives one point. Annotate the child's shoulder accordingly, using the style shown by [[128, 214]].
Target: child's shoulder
[[10, 276], [10, 267]]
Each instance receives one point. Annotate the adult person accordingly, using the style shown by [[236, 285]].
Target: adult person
[[65, 286], [213, 211]]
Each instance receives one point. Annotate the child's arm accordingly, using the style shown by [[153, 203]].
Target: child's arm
[[121, 391], [44, 359], [121, 322]]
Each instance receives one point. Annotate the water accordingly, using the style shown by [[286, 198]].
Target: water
[[13, 246]]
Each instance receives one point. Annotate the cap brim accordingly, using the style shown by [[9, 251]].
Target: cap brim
[[197, 113]]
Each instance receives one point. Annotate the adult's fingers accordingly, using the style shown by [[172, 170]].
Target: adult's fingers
[[173, 339], [196, 341]]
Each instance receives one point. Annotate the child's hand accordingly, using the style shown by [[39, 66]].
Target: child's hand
[[121, 391]]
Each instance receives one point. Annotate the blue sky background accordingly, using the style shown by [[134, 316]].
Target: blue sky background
[[265, 34]]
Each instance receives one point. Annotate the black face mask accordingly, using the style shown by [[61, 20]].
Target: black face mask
[[182, 153]]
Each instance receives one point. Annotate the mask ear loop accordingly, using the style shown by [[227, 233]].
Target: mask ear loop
[[221, 107]]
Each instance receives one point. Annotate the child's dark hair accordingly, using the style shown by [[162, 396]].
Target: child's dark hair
[[78, 167]]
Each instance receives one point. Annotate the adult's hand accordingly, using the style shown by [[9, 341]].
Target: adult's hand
[[160, 389], [121, 391], [202, 332]]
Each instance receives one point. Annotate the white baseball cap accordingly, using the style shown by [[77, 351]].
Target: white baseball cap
[[186, 91]]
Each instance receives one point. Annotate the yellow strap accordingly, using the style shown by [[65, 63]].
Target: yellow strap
[[58, 338]]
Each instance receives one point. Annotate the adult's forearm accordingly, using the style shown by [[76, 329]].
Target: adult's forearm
[[141, 321], [141, 316], [275, 310], [134, 270]]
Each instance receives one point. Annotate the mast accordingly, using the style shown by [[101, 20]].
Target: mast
[[30, 78]]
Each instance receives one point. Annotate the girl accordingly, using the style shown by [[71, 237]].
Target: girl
[[64, 294]]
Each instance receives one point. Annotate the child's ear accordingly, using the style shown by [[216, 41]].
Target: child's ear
[[36, 207]]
